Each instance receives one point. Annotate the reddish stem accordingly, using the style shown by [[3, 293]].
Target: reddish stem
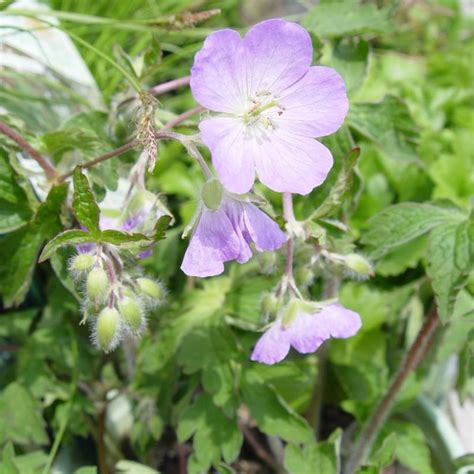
[[169, 86]]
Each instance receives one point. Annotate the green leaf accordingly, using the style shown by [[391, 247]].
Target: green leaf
[[450, 257], [83, 202], [273, 416], [389, 125], [215, 435], [14, 208], [130, 467], [68, 237], [401, 223], [350, 58], [160, 227], [8, 460], [313, 457], [20, 417], [347, 18], [120, 238]]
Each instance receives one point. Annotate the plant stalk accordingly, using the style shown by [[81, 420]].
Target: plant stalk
[[412, 358], [169, 86]]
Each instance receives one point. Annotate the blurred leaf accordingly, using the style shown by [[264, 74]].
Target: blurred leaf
[[14, 208], [350, 17], [451, 257], [350, 58], [20, 417], [129, 467], [399, 224], [68, 237], [83, 202], [389, 125], [272, 415]]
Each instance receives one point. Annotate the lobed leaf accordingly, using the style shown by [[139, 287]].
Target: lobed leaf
[[68, 237], [83, 202]]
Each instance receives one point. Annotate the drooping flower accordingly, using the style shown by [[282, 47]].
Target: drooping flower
[[305, 332], [272, 104], [226, 226]]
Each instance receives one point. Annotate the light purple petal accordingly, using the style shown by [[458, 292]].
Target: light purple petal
[[308, 332], [277, 53], [263, 231], [290, 163], [218, 73], [213, 243], [272, 347], [231, 152], [341, 322], [314, 106]]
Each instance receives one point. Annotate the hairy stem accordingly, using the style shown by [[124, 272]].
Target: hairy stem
[[132, 144], [48, 168], [169, 86], [289, 216], [412, 358], [101, 448], [258, 449]]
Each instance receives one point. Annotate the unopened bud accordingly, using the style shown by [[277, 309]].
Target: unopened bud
[[149, 288], [297, 306], [271, 304], [304, 276], [82, 261], [212, 193], [107, 328], [97, 284], [359, 265], [131, 311]]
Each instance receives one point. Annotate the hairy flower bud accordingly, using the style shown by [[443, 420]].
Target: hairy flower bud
[[131, 311], [212, 193], [108, 324], [97, 284], [82, 261], [149, 288], [359, 265]]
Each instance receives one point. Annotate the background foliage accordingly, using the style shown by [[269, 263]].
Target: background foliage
[[187, 392]]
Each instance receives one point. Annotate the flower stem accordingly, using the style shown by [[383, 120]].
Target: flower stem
[[412, 358], [289, 216], [169, 86], [48, 168]]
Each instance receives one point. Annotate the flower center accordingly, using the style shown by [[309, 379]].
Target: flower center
[[260, 110]]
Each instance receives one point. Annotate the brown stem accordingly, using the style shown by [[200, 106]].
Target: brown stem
[[48, 168], [412, 358], [169, 86], [258, 449], [128, 146], [101, 449]]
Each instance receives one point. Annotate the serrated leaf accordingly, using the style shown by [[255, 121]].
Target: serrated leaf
[[68, 237], [450, 260], [160, 227], [273, 416], [20, 418], [119, 237], [14, 208], [389, 125], [350, 58], [83, 202], [401, 223], [350, 17]]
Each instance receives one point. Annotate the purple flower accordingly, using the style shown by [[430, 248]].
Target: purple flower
[[272, 105], [305, 333], [225, 229]]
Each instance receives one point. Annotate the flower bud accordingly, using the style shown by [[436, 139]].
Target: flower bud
[[304, 276], [82, 261], [97, 284], [297, 306], [108, 324], [149, 288], [212, 193], [131, 311], [271, 304], [359, 265]]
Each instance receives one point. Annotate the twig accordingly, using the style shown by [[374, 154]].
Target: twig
[[257, 448], [132, 144], [412, 358], [48, 168], [169, 86]]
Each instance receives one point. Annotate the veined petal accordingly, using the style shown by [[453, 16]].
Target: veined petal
[[218, 73], [277, 53], [213, 243], [308, 332], [314, 106], [231, 152], [263, 231], [290, 163], [340, 321], [272, 347]]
